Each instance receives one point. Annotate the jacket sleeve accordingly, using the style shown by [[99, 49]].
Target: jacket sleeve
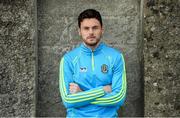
[[77, 99], [118, 94]]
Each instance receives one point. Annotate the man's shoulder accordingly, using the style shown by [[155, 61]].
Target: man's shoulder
[[113, 54], [112, 50], [72, 53]]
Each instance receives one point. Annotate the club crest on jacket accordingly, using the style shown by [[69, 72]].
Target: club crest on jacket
[[104, 68]]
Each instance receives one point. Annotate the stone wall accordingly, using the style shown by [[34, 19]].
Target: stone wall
[[158, 66], [17, 58], [162, 57]]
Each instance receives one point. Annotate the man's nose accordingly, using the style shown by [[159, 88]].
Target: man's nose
[[91, 31]]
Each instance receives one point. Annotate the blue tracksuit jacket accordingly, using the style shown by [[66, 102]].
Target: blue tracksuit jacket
[[92, 70]]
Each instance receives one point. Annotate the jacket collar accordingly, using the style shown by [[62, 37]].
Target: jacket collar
[[88, 50]]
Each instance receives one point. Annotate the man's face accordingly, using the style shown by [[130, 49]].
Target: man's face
[[91, 31]]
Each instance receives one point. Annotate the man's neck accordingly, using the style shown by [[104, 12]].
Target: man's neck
[[93, 47]]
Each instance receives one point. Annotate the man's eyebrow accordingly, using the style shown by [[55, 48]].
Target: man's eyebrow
[[95, 26], [92, 26]]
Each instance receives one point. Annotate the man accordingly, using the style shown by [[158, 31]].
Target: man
[[92, 76]]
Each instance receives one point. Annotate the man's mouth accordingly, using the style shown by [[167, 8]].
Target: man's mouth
[[91, 37]]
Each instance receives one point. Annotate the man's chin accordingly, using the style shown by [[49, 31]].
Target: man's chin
[[91, 44]]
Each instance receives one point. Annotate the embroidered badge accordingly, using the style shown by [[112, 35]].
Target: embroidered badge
[[83, 69], [104, 68]]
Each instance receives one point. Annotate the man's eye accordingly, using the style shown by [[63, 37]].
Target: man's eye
[[95, 28], [86, 28]]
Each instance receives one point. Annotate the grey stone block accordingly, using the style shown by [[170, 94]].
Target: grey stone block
[[161, 56], [17, 58]]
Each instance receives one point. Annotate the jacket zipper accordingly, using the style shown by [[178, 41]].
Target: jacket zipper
[[92, 60]]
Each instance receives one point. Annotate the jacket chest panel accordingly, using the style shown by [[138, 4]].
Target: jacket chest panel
[[99, 76]]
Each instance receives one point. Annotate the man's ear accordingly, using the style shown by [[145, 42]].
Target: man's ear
[[79, 31], [102, 30]]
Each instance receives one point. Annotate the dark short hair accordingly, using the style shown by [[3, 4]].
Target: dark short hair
[[89, 13]]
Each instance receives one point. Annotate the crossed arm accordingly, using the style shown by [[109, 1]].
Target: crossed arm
[[108, 95], [74, 88]]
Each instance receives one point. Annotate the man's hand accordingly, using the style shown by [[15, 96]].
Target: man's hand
[[74, 88], [107, 88]]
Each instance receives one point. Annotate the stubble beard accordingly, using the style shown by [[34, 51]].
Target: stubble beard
[[93, 44]]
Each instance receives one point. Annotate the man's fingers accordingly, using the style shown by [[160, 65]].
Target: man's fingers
[[107, 88], [74, 88], [72, 91]]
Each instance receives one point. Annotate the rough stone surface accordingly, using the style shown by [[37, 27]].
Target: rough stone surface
[[162, 57], [17, 58], [57, 32], [57, 29]]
